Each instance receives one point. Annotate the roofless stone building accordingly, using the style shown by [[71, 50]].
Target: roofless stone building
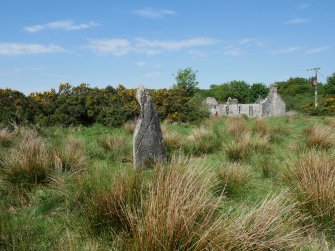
[[272, 105]]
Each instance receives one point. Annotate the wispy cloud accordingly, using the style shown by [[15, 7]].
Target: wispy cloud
[[148, 64], [140, 63], [318, 50], [297, 21], [196, 54], [242, 46], [10, 49], [66, 25], [234, 52], [153, 13], [119, 47], [173, 44], [286, 50]]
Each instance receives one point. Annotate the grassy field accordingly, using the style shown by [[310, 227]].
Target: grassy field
[[229, 184]]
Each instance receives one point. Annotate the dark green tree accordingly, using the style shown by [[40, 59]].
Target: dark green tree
[[258, 90], [330, 85]]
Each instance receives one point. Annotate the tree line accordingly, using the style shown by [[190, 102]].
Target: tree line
[[113, 106]]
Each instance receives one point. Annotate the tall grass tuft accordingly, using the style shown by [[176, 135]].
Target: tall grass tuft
[[260, 127], [201, 140], [322, 137], [312, 179], [108, 209], [236, 127], [29, 162], [232, 179], [261, 144], [118, 146], [172, 140], [240, 150], [274, 225], [266, 165], [6, 137], [178, 212], [71, 157]]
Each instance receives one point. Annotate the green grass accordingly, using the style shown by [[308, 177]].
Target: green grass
[[224, 174]]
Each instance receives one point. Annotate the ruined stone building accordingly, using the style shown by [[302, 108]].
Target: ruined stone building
[[272, 105]]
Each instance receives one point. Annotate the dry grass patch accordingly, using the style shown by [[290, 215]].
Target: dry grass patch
[[172, 140], [130, 126], [178, 212], [261, 144], [200, 141], [274, 225], [318, 136], [232, 179], [330, 122], [312, 179], [236, 127], [260, 127], [29, 162], [242, 148], [239, 150]]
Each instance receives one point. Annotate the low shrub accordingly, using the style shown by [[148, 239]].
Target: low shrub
[[232, 179], [322, 137]]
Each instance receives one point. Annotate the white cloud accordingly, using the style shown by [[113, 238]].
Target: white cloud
[[121, 47], [318, 50], [20, 49], [117, 47], [60, 25], [154, 13], [297, 21], [286, 50]]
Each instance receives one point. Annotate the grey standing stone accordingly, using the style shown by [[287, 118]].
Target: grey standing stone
[[148, 144]]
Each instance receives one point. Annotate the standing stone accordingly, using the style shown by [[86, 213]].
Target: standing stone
[[148, 144]]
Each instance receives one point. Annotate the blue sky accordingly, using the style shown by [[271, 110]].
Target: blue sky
[[44, 43]]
